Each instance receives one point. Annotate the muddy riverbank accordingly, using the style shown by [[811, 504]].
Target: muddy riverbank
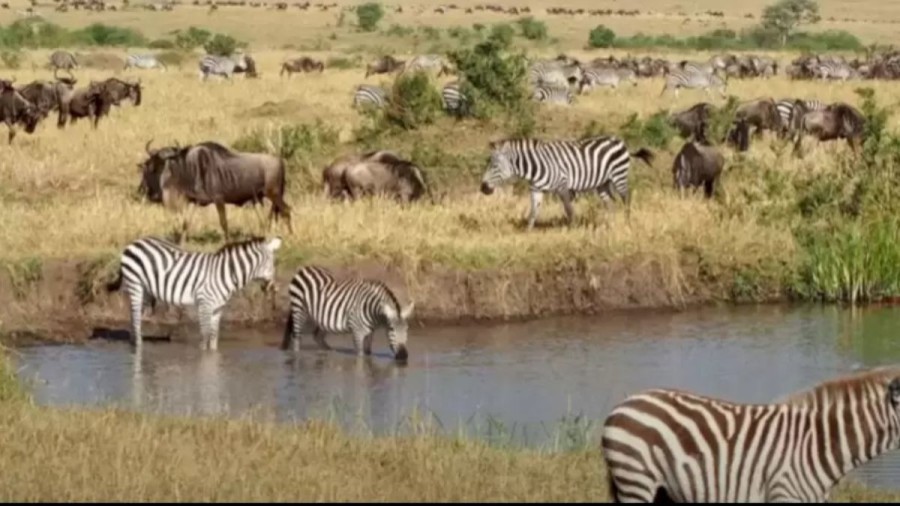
[[66, 300]]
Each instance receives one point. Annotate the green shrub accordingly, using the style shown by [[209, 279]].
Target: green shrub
[[430, 32], [98, 34], [161, 44], [399, 31], [222, 45], [654, 131], [192, 38], [601, 37], [503, 34], [12, 58], [368, 15], [414, 101], [532, 29]]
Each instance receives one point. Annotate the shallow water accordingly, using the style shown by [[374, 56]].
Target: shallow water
[[510, 383]]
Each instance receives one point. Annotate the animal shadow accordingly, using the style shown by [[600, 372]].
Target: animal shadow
[[124, 335]]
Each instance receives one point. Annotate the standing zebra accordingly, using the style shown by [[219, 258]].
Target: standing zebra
[[369, 95], [563, 167], [605, 77], [322, 304], [157, 270], [224, 66], [552, 94], [668, 445], [833, 70], [454, 101], [144, 61], [554, 72], [427, 63], [63, 60], [788, 108], [693, 79]]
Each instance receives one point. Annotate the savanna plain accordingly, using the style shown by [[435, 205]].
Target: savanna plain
[[821, 226]]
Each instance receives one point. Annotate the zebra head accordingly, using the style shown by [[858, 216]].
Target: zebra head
[[499, 170], [265, 266], [397, 328]]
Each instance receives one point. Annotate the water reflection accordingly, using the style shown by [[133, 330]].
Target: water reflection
[[526, 376]]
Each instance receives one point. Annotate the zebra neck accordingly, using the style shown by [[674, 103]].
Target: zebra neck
[[233, 274], [861, 428]]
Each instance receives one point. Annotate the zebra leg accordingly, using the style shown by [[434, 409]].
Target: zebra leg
[[137, 309], [215, 318], [359, 338], [319, 337], [536, 199], [367, 343], [209, 324]]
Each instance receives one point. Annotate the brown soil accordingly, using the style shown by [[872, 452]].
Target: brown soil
[[69, 303]]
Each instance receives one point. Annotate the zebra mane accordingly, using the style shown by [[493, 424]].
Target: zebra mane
[[844, 386], [240, 244]]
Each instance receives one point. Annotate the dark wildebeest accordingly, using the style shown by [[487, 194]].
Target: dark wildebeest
[[120, 90], [92, 102], [385, 174], [16, 109], [697, 164], [385, 65], [302, 64], [47, 96], [761, 114], [836, 121], [739, 134], [332, 175], [687, 121], [211, 173]]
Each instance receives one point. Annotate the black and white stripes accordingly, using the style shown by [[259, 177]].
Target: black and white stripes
[[666, 445], [563, 167], [367, 95], [693, 79], [154, 270], [221, 66], [322, 304], [553, 94], [143, 61]]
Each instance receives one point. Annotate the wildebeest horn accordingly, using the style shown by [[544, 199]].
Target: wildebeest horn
[[147, 147]]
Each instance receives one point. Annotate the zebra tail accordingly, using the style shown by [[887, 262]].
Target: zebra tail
[[115, 285], [645, 155]]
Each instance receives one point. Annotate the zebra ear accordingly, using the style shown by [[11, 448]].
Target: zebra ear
[[274, 244], [894, 392], [389, 312], [406, 312]]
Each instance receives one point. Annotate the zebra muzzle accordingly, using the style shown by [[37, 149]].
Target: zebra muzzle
[[401, 354], [486, 189]]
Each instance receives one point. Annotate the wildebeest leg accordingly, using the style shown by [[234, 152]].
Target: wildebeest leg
[[709, 186], [12, 130], [536, 199], [223, 221]]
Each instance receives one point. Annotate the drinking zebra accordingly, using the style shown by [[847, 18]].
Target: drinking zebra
[[322, 304], [673, 446], [693, 80], [564, 167], [144, 61], [605, 77], [224, 66], [153, 269], [553, 94], [369, 95], [454, 100], [788, 109]]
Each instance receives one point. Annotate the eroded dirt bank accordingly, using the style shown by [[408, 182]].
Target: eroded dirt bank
[[66, 301]]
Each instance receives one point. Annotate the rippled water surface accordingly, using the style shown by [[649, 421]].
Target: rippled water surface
[[515, 381]]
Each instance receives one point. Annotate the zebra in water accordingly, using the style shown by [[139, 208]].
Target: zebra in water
[[553, 94], [367, 95], [153, 269], [673, 446], [455, 102], [605, 77], [789, 108], [224, 66], [693, 79], [63, 60], [564, 167], [322, 304], [144, 61]]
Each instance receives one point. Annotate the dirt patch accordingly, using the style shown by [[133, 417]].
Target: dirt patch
[[67, 302]]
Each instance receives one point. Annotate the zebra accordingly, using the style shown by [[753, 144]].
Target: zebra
[[224, 66], [605, 77], [554, 72], [833, 70], [369, 95], [63, 60], [154, 269], [144, 61], [322, 304], [675, 446], [693, 79], [787, 109], [564, 167], [552, 94], [454, 100], [427, 63]]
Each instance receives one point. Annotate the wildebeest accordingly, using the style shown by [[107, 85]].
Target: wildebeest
[[386, 175], [387, 64], [697, 164], [687, 121], [211, 173], [92, 102], [836, 121], [15, 109], [302, 64], [46, 95], [333, 174], [760, 114], [119, 90]]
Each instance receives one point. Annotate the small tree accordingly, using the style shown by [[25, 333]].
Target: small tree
[[368, 15], [221, 45], [532, 29], [786, 15], [413, 102], [601, 36]]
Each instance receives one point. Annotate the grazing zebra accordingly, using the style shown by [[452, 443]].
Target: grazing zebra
[[144, 61], [786, 111], [564, 167], [554, 72], [224, 66], [674, 446], [369, 95], [157, 270], [427, 63], [454, 100], [692, 79], [63, 60], [322, 304], [605, 77], [553, 94]]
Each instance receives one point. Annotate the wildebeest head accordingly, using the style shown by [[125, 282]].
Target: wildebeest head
[[134, 92], [397, 327], [152, 169], [500, 169]]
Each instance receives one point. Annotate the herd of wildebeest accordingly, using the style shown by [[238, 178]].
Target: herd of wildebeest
[[171, 173]]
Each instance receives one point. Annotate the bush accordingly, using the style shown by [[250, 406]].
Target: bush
[[655, 131], [191, 39], [368, 15], [99, 34], [532, 29], [414, 101], [222, 45], [161, 44], [12, 59], [503, 34], [399, 31], [601, 37]]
